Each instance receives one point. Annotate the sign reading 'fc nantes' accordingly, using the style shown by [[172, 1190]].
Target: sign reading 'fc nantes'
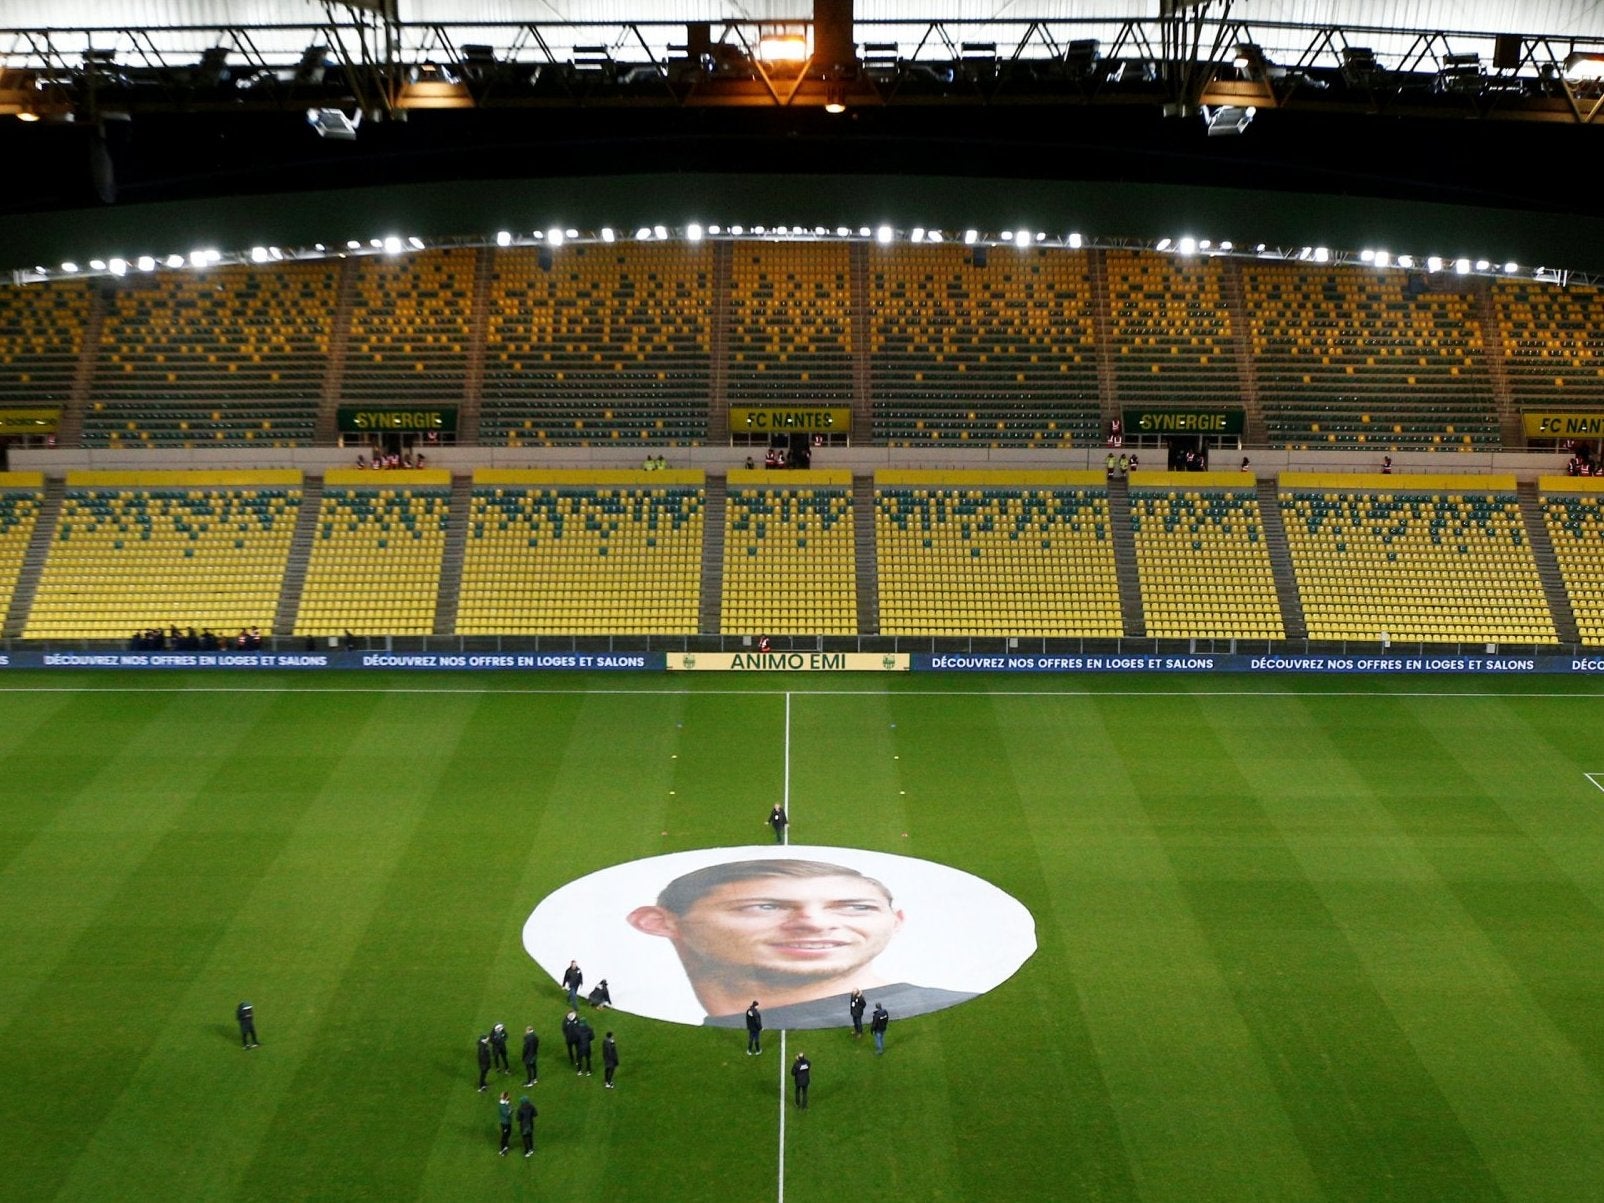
[[1229, 420], [804, 419], [1564, 426], [404, 419]]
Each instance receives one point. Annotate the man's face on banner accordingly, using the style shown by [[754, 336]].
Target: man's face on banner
[[786, 927]]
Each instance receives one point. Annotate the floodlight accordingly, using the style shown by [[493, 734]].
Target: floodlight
[[175, 261], [1187, 246], [934, 235], [118, 266], [1511, 267], [643, 234], [1382, 257], [1227, 245], [714, 230], [918, 234], [333, 124], [693, 233], [971, 237], [1367, 256], [1482, 265], [278, 254], [1406, 261], [503, 238], [1041, 235], [883, 234], [571, 232], [1074, 242], [69, 267], [258, 254], [1322, 254], [197, 258], [659, 232], [353, 245], [392, 245], [376, 243], [97, 265], [554, 236], [146, 263], [1227, 119], [842, 231], [1203, 244], [783, 48], [737, 231], [607, 234], [1162, 245], [1461, 266], [863, 231], [1433, 264], [1583, 65], [415, 243]]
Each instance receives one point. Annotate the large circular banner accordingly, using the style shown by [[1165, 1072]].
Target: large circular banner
[[697, 937]]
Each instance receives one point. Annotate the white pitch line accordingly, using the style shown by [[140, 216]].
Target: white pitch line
[[785, 802], [1594, 778]]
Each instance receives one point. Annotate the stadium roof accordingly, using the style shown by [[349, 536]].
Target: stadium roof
[[1466, 125]]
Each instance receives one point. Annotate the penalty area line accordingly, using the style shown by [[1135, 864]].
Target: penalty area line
[[1595, 779]]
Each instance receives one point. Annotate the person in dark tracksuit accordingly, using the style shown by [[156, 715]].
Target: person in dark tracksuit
[[246, 1015], [857, 1006], [526, 1124], [778, 821], [504, 1114], [531, 1056], [484, 1061], [878, 1024], [609, 1058], [802, 1071], [754, 1030], [571, 1036], [584, 1034], [573, 979], [498, 1048]]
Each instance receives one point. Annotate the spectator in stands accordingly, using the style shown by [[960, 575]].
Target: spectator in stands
[[1246, 466], [421, 458], [772, 459], [1386, 465], [749, 464], [1134, 461], [648, 466], [662, 464], [1116, 433]]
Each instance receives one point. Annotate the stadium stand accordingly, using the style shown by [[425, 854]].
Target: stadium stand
[[582, 553], [41, 341], [133, 550], [995, 553], [229, 356], [1201, 557], [1438, 559], [21, 494], [1553, 343], [789, 554], [1171, 330], [411, 326], [376, 555], [1001, 354], [611, 342], [1349, 356], [1574, 516], [790, 323]]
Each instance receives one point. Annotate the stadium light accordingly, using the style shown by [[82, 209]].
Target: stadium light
[[1511, 267], [392, 245], [1461, 266], [934, 235], [69, 267], [1187, 246], [333, 124], [659, 232], [554, 236], [863, 231], [1322, 254], [693, 232], [1074, 242], [415, 243], [737, 231], [1228, 119], [97, 265], [174, 261], [1583, 65], [1406, 261], [644, 234], [883, 234], [1433, 264], [1382, 258], [783, 48], [1482, 265], [1162, 245], [353, 245], [118, 266], [258, 254], [918, 234], [1022, 239], [971, 237], [607, 234], [146, 263], [503, 237]]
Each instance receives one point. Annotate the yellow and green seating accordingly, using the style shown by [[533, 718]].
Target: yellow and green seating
[[789, 554], [1553, 343], [989, 356], [583, 553], [41, 340], [188, 549], [1201, 558], [376, 554], [1170, 331], [610, 343], [1419, 559], [995, 554], [411, 327], [21, 494], [1573, 511], [790, 323]]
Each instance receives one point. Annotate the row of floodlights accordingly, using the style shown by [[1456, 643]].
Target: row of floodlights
[[556, 236]]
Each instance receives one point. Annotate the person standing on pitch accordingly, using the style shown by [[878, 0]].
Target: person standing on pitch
[[484, 1062], [878, 1024], [609, 1058], [526, 1124], [573, 979], [584, 1034], [531, 1055], [247, 1025], [802, 1071], [754, 1030], [498, 1048], [857, 1006], [571, 1036], [777, 820], [504, 1114]]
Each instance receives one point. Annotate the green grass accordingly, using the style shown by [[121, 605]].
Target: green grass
[[1334, 938]]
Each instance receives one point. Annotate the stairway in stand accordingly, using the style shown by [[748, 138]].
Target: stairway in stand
[[868, 563], [289, 594], [33, 560], [718, 346], [327, 429], [711, 613], [1559, 601], [1132, 616], [458, 522], [1275, 542]]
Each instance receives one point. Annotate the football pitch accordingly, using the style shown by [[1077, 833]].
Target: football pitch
[[1335, 938]]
